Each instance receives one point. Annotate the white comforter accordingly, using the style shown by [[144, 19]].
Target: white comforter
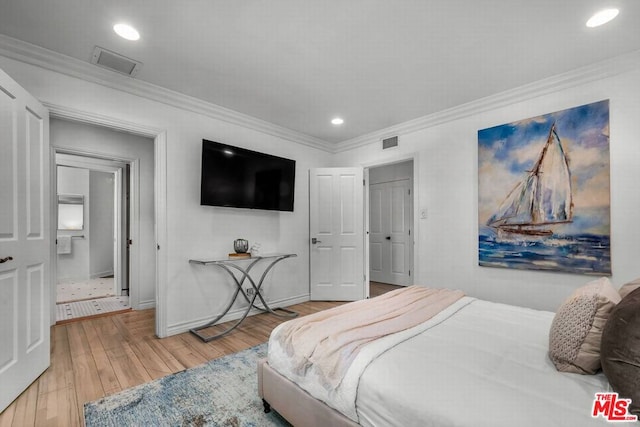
[[476, 363]]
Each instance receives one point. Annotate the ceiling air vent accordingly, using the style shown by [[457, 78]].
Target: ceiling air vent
[[389, 142], [115, 62]]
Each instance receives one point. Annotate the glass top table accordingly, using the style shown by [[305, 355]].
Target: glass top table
[[235, 264]]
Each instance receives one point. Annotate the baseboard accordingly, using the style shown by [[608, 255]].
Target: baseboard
[[178, 328], [144, 305], [101, 274]]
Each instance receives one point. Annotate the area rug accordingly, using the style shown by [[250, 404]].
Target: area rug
[[222, 392]]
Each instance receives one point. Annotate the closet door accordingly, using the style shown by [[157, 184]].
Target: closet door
[[390, 237]]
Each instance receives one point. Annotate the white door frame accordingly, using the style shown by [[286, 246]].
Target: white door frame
[[367, 227], [159, 137], [414, 224], [115, 166]]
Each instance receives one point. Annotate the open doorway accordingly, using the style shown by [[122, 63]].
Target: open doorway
[[92, 234], [126, 158], [145, 148], [390, 214]]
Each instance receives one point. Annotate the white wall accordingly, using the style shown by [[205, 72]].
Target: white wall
[[392, 172], [101, 207], [195, 294], [446, 185]]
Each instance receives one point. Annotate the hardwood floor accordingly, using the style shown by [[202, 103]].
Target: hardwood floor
[[377, 288], [101, 356]]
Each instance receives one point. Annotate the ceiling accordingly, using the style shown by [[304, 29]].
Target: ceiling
[[298, 64]]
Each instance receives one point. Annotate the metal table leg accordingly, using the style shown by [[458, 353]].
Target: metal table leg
[[226, 266]]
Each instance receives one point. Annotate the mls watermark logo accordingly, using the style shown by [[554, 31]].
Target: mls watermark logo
[[612, 408]]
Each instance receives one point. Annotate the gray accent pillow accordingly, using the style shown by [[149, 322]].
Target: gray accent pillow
[[576, 330], [627, 288], [620, 352]]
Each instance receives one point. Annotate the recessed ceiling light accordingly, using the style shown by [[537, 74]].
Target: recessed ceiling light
[[126, 31], [337, 121], [602, 17]]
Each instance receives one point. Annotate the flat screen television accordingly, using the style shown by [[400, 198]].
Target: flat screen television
[[240, 178]]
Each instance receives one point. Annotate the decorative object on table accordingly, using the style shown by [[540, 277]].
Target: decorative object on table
[[255, 249], [241, 245], [235, 255], [543, 192], [223, 391]]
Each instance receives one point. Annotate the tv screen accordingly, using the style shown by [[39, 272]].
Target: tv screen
[[241, 178]]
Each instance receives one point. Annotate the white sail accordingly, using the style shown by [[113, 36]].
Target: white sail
[[542, 198]]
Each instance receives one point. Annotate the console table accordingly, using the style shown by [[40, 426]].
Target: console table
[[229, 265]]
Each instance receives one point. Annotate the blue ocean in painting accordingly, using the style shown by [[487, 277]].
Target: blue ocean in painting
[[583, 254]]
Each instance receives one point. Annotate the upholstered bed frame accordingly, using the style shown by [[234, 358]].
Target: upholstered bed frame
[[293, 403], [466, 327]]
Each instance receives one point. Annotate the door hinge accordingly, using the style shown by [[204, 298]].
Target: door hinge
[[130, 242], [409, 272], [364, 182], [409, 232], [409, 191]]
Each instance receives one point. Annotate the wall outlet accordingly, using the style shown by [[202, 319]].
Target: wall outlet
[[250, 292]]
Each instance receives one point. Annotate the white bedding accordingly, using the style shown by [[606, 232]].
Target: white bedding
[[476, 363], [343, 398]]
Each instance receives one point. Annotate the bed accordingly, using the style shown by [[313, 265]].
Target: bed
[[473, 363]]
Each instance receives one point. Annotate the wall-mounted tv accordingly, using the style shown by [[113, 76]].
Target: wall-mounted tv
[[240, 178]]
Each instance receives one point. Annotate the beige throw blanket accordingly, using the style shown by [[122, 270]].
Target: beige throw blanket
[[328, 341]]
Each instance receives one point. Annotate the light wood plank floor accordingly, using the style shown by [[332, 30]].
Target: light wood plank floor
[[101, 356]]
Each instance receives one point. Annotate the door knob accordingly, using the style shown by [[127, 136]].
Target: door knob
[[3, 260], [314, 240], [388, 237]]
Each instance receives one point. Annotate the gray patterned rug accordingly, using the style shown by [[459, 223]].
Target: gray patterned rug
[[222, 392]]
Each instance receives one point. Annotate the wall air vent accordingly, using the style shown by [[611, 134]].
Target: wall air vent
[[390, 142], [115, 62]]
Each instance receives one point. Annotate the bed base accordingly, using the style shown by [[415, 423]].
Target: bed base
[[293, 403]]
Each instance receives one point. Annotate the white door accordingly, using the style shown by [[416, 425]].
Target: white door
[[24, 240], [336, 226], [390, 240]]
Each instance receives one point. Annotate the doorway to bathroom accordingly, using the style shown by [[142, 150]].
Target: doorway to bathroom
[[92, 236]]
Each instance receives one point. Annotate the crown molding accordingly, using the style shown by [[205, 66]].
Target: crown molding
[[53, 61], [590, 73], [71, 114], [63, 64]]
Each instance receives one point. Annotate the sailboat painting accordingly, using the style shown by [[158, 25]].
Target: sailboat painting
[[543, 192]]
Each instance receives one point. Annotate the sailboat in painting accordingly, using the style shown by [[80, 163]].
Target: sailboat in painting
[[542, 199]]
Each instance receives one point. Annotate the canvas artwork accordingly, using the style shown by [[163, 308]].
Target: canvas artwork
[[543, 192]]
